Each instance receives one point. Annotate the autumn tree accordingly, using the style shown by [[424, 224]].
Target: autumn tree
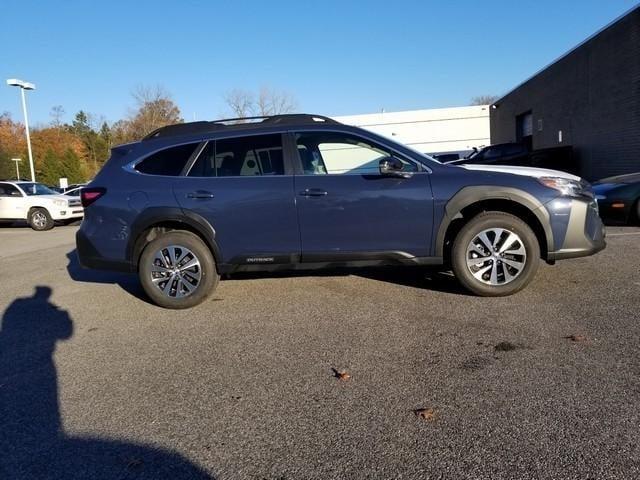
[[12, 145], [50, 148]]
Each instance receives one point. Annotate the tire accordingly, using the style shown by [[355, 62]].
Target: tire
[[39, 219], [508, 267], [161, 259]]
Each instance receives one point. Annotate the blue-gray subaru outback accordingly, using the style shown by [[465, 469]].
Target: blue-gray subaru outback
[[192, 201]]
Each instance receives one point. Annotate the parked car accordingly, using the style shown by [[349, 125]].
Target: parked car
[[446, 157], [517, 154], [192, 201], [619, 198], [74, 190], [40, 206]]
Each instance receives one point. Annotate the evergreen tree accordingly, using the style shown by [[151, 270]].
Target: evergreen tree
[[71, 167], [50, 168], [7, 167]]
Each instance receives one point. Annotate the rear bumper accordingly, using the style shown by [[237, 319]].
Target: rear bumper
[[585, 232], [89, 257]]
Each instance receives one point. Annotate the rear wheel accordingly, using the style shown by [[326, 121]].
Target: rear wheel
[[39, 219], [495, 254], [177, 270]]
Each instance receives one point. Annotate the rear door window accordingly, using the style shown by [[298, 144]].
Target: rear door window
[[255, 155], [169, 162]]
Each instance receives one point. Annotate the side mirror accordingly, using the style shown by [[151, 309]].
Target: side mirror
[[392, 167]]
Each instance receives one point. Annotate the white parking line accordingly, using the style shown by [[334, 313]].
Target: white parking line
[[621, 234]]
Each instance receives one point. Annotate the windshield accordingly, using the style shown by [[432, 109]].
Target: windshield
[[36, 189]]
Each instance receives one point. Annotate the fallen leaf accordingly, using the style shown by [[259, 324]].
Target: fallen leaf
[[576, 338], [427, 414], [505, 347], [341, 374]]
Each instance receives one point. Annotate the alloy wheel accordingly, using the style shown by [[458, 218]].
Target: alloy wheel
[[496, 256], [176, 271], [39, 219]]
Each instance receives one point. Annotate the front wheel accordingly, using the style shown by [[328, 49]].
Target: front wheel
[[177, 270], [40, 220], [495, 254]]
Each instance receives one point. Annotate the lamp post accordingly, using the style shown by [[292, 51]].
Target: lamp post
[[17, 160], [14, 82]]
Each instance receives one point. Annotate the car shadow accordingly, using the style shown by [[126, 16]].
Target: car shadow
[[427, 279], [432, 279], [32, 438], [422, 278], [127, 281], [25, 225]]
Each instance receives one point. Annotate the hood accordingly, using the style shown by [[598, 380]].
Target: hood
[[601, 188], [71, 200], [526, 171], [629, 178]]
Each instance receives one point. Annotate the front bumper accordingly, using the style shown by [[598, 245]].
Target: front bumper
[[67, 213], [584, 234]]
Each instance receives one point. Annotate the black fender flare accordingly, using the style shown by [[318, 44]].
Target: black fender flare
[[470, 195], [156, 215]]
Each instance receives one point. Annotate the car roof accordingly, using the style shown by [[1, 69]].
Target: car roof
[[237, 124]]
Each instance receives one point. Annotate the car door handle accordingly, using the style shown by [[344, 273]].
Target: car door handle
[[200, 195], [313, 192]]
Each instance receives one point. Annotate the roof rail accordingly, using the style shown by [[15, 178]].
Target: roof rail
[[233, 123]]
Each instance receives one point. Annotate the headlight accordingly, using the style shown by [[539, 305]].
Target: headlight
[[569, 188], [60, 203]]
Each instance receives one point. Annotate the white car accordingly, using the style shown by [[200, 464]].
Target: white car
[[36, 203], [526, 171]]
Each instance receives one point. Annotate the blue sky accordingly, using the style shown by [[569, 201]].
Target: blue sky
[[336, 57]]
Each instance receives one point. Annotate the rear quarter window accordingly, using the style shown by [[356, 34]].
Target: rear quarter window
[[167, 162]]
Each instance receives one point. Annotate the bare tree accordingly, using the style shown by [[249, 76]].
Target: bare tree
[[56, 114], [484, 99], [273, 102], [268, 101], [240, 102]]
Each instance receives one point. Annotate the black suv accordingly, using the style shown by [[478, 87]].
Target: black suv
[[194, 200]]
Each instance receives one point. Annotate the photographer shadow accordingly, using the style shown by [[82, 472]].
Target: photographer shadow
[[32, 438]]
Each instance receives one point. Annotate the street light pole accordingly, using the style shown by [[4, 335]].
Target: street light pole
[[17, 160], [26, 127], [14, 82]]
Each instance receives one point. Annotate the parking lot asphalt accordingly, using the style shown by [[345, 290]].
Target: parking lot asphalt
[[95, 382]]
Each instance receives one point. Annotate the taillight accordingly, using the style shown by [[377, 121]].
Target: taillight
[[90, 195]]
